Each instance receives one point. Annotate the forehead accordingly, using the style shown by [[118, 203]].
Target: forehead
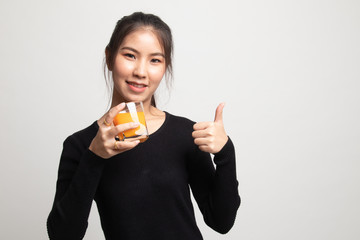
[[144, 38]]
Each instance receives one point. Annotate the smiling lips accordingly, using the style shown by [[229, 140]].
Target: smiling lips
[[137, 87]]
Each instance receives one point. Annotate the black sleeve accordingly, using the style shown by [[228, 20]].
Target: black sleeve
[[78, 177], [216, 190]]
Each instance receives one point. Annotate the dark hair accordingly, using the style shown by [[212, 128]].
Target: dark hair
[[129, 24]]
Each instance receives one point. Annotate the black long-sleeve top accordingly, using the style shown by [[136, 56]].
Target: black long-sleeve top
[[144, 193]]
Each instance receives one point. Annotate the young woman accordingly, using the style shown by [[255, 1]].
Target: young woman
[[142, 190]]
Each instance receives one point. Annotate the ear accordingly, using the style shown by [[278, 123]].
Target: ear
[[108, 57]]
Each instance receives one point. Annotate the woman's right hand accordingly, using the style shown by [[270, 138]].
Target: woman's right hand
[[104, 144]]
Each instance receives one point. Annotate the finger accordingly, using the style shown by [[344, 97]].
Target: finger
[[202, 133], [126, 145], [202, 141], [122, 127], [205, 148], [202, 125], [219, 113], [109, 116]]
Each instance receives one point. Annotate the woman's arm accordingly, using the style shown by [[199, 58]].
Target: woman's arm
[[216, 190], [78, 177], [81, 165]]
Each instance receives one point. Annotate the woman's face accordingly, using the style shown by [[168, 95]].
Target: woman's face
[[139, 67]]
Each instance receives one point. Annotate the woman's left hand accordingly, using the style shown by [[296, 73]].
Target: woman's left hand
[[211, 136]]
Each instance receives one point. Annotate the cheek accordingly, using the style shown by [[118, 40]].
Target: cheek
[[157, 74], [123, 68]]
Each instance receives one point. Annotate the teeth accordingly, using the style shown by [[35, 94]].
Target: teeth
[[137, 85]]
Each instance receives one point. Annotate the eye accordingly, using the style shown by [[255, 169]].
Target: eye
[[129, 55], [155, 60]]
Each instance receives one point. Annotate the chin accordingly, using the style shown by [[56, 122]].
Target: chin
[[134, 99]]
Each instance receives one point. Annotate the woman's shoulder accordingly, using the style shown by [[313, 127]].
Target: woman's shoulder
[[83, 137], [179, 120]]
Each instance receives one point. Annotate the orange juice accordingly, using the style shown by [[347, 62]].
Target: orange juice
[[140, 132]]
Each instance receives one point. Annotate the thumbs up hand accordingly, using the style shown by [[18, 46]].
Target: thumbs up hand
[[211, 136]]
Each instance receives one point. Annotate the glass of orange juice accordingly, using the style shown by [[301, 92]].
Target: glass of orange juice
[[133, 112]]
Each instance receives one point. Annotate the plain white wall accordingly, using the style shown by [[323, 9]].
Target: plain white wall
[[289, 72]]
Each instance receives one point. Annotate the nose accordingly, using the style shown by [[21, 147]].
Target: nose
[[140, 69]]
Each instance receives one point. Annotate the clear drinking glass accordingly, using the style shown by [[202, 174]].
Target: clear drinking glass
[[133, 112]]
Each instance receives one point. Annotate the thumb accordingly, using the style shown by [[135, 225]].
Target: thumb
[[219, 112]]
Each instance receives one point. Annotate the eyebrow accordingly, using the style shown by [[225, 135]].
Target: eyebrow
[[136, 51]]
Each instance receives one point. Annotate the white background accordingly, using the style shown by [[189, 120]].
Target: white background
[[289, 72]]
